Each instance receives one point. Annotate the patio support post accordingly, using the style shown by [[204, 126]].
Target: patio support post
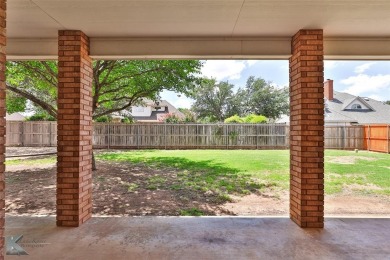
[[74, 165], [3, 39], [307, 129]]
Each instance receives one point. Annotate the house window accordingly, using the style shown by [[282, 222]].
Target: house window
[[356, 106]]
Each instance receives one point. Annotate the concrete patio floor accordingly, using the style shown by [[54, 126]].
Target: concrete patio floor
[[201, 238]]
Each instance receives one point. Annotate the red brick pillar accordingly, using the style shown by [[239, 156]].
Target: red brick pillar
[[3, 38], [307, 129], [74, 174]]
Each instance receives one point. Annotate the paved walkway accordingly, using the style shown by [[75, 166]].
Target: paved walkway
[[200, 238]]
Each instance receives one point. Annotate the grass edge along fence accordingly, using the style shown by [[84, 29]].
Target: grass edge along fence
[[197, 136]]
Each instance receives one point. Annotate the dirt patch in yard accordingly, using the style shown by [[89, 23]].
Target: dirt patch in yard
[[122, 189], [348, 159]]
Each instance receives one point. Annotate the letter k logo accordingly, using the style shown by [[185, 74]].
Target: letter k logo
[[12, 247]]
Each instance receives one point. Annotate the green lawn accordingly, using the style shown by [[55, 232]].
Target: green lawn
[[244, 171]]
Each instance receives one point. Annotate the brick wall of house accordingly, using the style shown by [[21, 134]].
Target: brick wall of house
[[3, 39], [74, 176], [307, 129]]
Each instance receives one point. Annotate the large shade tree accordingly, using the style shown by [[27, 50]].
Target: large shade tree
[[261, 97], [117, 85], [215, 101]]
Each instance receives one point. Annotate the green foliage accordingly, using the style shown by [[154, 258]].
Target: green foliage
[[40, 117], [234, 119], [251, 119], [127, 120], [132, 187], [387, 102], [217, 101], [15, 103], [103, 119], [255, 119], [117, 85], [190, 116], [262, 98], [214, 101], [191, 212], [205, 120]]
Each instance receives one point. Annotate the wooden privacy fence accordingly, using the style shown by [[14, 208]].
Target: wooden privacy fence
[[40, 133], [376, 138], [190, 136], [344, 137], [183, 136]]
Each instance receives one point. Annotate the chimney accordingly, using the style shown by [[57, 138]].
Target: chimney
[[328, 89]]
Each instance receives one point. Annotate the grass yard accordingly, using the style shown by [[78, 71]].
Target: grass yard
[[202, 182], [242, 171]]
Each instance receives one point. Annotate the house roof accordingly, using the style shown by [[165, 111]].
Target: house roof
[[379, 113], [154, 115], [351, 100], [15, 117]]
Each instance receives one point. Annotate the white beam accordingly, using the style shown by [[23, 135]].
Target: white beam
[[202, 48]]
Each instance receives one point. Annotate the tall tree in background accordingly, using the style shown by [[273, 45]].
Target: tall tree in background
[[215, 101], [388, 102], [262, 98], [117, 85]]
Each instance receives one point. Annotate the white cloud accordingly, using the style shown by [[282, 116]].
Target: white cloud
[[331, 64], [362, 68], [183, 102], [366, 85], [224, 69]]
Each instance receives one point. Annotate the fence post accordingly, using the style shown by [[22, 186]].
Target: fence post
[[343, 136], [109, 135], [165, 135], [22, 133], [388, 138], [49, 134], [137, 133], [227, 136], [368, 138]]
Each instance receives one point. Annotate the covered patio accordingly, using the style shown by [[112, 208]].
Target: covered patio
[[304, 32], [201, 238]]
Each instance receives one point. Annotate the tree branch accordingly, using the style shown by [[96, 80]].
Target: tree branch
[[41, 74], [44, 105]]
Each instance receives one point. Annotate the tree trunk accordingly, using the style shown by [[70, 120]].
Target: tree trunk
[[93, 162]]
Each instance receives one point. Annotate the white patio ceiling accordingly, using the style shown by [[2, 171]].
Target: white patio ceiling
[[199, 28]]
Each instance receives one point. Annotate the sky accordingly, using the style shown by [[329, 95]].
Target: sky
[[360, 78]]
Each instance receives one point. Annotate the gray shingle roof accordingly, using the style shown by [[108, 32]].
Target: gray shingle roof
[[162, 103], [335, 110]]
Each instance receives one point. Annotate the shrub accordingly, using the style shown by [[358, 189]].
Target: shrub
[[171, 118], [255, 119], [102, 119], [127, 120], [234, 119], [41, 117]]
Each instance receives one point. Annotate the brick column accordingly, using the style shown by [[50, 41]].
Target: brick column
[[307, 129], [3, 39], [74, 174]]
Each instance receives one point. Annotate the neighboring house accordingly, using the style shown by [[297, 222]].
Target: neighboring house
[[346, 109], [15, 117], [153, 112]]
